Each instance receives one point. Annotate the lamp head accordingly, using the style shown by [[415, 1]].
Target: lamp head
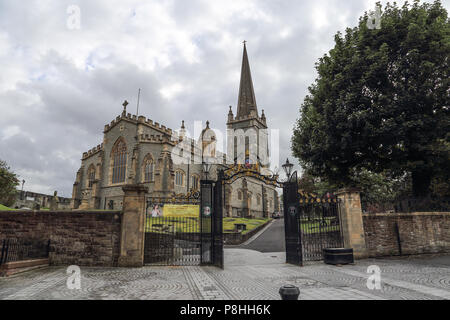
[[288, 168], [207, 163]]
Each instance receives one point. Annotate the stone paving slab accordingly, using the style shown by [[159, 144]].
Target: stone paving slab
[[248, 275]]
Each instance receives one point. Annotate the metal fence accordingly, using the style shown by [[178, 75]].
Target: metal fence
[[320, 228], [408, 205], [172, 241], [23, 249]]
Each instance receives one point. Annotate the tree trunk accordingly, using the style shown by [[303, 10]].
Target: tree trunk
[[421, 180]]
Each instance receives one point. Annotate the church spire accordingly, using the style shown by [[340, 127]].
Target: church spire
[[246, 101]]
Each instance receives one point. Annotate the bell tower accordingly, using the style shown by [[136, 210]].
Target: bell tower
[[247, 136]]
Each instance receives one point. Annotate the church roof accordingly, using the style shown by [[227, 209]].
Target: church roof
[[246, 100]]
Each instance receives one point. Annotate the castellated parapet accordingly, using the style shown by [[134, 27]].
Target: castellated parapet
[[93, 151], [152, 138], [141, 120]]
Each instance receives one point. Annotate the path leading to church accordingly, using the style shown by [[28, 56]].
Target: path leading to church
[[270, 240], [248, 274]]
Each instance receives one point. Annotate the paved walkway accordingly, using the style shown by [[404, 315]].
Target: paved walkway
[[271, 239], [248, 275]]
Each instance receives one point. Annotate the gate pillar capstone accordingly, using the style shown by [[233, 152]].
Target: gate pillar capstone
[[133, 231], [352, 222]]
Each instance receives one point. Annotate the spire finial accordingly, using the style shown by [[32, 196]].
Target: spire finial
[[230, 115], [182, 124], [207, 124]]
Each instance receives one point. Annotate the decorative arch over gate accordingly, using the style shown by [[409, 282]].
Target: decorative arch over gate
[[235, 172]]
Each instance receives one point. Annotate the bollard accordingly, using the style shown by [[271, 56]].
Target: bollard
[[289, 292]]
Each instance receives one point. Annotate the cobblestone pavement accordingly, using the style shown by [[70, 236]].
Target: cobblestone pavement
[[248, 274]]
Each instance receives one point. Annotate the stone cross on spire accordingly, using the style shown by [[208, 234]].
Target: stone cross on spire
[[246, 101]]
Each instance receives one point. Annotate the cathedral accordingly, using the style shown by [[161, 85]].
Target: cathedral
[[137, 150]]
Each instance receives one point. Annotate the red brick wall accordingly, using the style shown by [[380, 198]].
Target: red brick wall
[[420, 232], [84, 238]]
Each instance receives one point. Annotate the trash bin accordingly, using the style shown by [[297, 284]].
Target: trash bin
[[338, 255]]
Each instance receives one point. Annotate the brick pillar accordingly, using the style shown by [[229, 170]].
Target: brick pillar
[[352, 223], [133, 232]]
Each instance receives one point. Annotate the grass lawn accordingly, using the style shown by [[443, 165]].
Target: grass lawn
[[309, 227], [5, 208], [228, 223], [178, 224]]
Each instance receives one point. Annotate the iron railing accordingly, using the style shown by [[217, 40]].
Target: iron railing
[[172, 241], [320, 228], [407, 205], [23, 249]]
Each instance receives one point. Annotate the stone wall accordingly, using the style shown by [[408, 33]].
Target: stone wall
[[409, 233], [85, 238]]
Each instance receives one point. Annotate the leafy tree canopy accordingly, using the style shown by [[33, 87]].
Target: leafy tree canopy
[[381, 100], [8, 185]]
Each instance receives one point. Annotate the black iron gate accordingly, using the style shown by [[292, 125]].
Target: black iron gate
[[311, 223], [320, 225], [217, 221], [211, 210], [172, 239], [185, 238], [291, 225], [206, 212]]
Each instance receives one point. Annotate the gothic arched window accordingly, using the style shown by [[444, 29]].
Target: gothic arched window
[[149, 171], [195, 182], [119, 161], [148, 167], [179, 178], [91, 176]]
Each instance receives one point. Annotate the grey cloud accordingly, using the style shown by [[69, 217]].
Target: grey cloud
[[76, 81]]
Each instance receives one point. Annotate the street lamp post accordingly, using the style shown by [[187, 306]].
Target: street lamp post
[[21, 193], [288, 168], [206, 166]]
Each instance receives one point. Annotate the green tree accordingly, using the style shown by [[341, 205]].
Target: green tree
[[375, 187], [381, 100], [307, 183], [8, 185]]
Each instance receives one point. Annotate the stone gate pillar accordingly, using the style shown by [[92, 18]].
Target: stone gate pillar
[[133, 232], [352, 222]]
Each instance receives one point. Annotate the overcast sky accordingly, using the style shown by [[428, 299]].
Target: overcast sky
[[59, 84]]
